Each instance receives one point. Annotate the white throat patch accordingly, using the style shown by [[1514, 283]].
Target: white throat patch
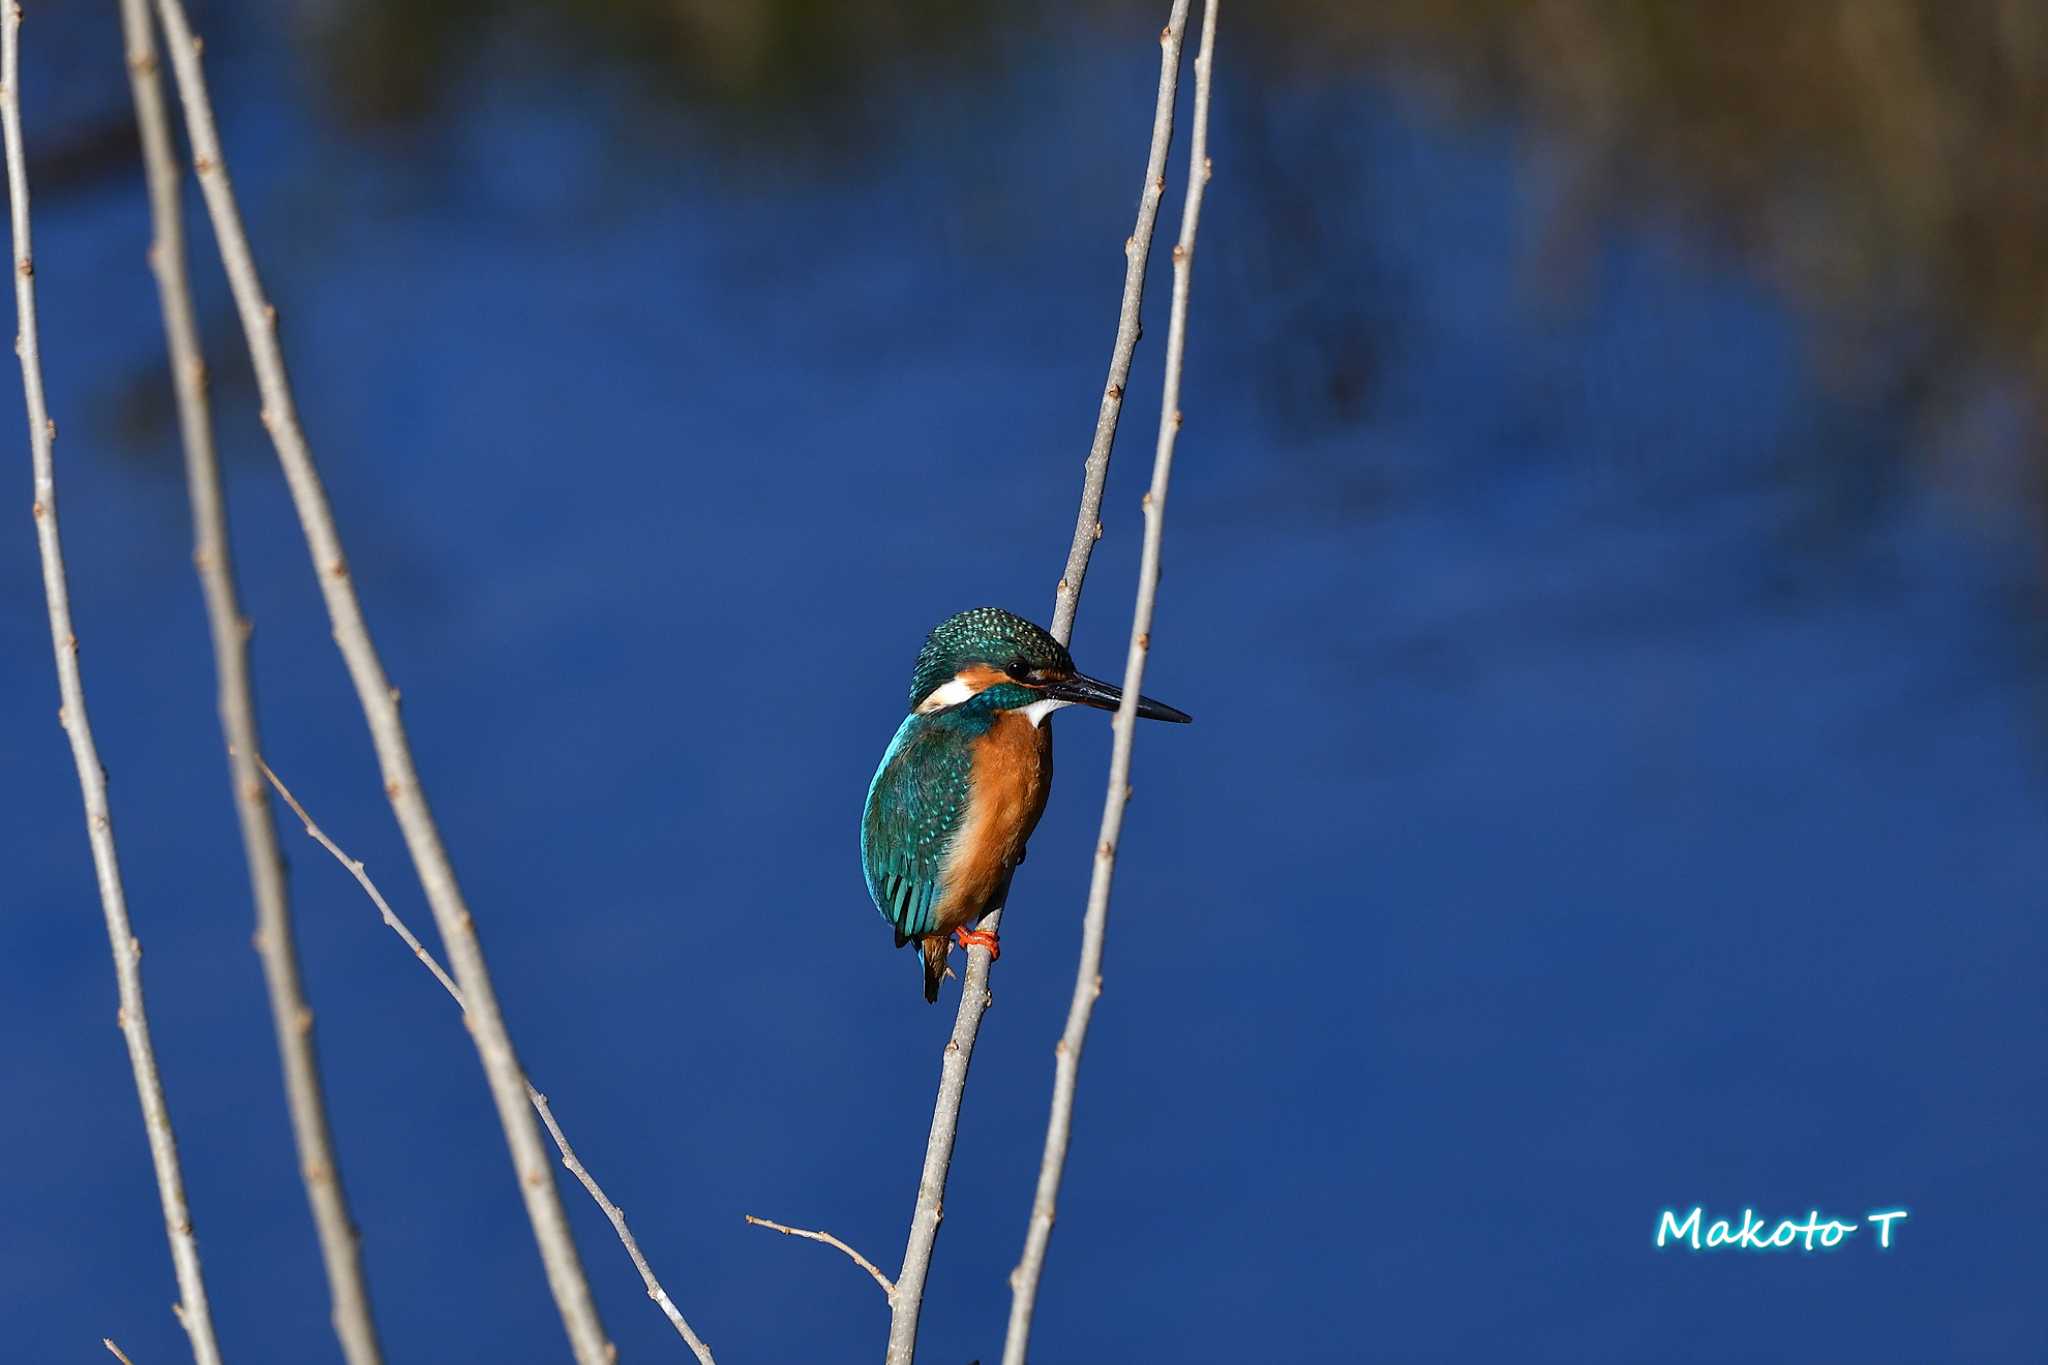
[[1037, 711]]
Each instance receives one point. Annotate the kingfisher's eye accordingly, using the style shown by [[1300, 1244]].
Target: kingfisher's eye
[[1018, 668]]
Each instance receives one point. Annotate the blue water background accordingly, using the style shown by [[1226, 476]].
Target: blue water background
[[1616, 784]]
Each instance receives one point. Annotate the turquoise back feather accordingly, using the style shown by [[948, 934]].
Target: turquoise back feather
[[915, 804], [922, 787]]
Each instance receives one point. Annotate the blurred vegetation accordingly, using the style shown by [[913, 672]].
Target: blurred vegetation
[[1883, 159], [1886, 160], [397, 59]]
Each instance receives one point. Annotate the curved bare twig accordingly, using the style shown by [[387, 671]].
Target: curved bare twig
[[829, 1240], [539, 1101]]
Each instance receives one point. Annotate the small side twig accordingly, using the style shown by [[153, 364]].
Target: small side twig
[[829, 1240], [1088, 976], [133, 1018], [290, 1016], [908, 1301], [617, 1217], [355, 868], [119, 1354], [539, 1101]]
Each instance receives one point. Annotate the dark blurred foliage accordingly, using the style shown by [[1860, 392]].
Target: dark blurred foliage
[[395, 59], [1883, 159]]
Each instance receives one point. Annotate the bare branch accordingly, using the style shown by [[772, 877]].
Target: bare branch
[[829, 1240], [379, 701], [92, 778], [1088, 977], [533, 1096], [908, 1300], [1137, 250], [119, 1354], [618, 1221], [355, 869], [290, 1016]]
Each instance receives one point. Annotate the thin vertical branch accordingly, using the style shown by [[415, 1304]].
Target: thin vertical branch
[[1088, 977], [191, 1309], [906, 1302], [1137, 249], [533, 1096], [379, 701], [290, 1016]]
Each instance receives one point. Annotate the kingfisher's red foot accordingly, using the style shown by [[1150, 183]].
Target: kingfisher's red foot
[[976, 938]]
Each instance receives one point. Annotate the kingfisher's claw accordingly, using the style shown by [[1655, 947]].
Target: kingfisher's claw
[[976, 938]]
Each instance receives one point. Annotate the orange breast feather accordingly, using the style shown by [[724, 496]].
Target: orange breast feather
[[1012, 776]]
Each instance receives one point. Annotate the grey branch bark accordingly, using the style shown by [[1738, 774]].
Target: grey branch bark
[[1137, 249], [534, 1097], [191, 1309], [379, 701], [1088, 977], [906, 1302], [291, 1017]]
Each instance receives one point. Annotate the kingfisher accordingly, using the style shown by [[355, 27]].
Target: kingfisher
[[961, 786]]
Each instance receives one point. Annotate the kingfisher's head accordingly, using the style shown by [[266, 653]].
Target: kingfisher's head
[[1011, 665]]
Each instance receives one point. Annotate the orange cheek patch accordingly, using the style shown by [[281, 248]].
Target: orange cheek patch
[[980, 677]]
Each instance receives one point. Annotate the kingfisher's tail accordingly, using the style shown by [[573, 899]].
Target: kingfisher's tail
[[935, 950]]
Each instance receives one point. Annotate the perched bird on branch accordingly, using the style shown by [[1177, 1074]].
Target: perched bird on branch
[[962, 785]]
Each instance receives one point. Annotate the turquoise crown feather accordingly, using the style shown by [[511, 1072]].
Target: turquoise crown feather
[[984, 635]]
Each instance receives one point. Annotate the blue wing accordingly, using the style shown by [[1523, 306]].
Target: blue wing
[[915, 804]]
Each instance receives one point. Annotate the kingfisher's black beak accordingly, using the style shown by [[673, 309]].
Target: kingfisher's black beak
[[1108, 697]]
